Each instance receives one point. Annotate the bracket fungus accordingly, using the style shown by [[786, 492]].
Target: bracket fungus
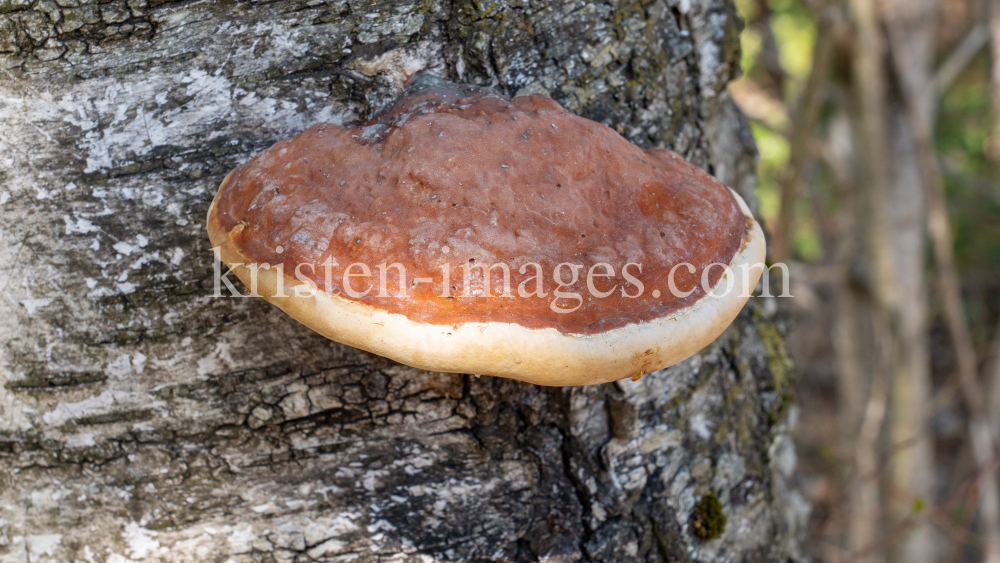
[[462, 231]]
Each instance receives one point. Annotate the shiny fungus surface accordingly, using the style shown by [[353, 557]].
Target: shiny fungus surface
[[456, 179]]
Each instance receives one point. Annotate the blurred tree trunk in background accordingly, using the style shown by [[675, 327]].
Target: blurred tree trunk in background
[[870, 89], [910, 26], [894, 48], [910, 32], [888, 182], [143, 419]]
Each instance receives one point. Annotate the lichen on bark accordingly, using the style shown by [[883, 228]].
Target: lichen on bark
[[142, 418]]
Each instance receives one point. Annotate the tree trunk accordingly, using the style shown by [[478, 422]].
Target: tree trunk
[[910, 35], [143, 419]]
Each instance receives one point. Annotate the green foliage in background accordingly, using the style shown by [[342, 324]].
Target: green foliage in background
[[972, 192], [777, 56]]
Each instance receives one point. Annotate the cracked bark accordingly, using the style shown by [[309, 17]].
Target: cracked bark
[[141, 418]]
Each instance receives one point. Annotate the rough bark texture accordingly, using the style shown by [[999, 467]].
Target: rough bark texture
[[143, 419]]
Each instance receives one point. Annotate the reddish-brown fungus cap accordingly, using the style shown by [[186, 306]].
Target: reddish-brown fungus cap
[[579, 230]]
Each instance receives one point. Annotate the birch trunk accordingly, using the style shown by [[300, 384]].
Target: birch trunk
[[143, 419], [910, 27]]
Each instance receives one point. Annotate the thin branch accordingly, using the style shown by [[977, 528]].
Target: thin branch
[[993, 143], [804, 124], [959, 58], [984, 473], [993, 377], [864, 495], [966, 516], [949, 285]]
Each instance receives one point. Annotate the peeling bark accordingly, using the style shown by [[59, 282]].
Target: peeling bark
[[144, 419]]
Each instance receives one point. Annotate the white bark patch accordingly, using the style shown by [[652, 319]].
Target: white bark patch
[[139, 362], [33, 305], [701, 426], [120, 367], [141, 542], [176, 256], [219, 360], [43, 544], [64, 412], [79, 225], [80, 440], [379, 525], [124, 248], [400, 64], [241, 538], [782, 451], [329, 547], [135, 120], [660, 439], [708, 54]]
